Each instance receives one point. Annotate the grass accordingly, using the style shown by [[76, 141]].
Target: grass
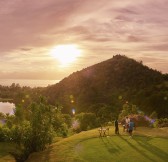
[[121, 148], [147, 144]]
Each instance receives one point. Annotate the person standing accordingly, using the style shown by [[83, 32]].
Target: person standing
[[127, 121], [131, 127], [116, 126]]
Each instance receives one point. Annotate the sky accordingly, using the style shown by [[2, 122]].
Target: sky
[[30, 31]]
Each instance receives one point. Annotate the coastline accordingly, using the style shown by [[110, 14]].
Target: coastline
[[28, 82]]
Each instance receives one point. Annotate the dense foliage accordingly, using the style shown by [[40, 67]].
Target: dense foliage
[[17, 94], [86, 121], [162, 122], [32, 128], [113, 82]]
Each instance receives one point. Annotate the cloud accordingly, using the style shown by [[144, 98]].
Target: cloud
[[157, 47], [30, 29], [126, 11], [25, 49], [132, 38], [26, 21]]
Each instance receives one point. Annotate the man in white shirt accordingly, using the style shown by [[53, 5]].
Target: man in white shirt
[[127, 121]]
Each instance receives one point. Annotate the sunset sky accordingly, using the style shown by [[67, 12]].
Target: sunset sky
[[34, 34]]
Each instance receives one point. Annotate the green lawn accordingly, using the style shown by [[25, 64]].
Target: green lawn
[[121, 148], [147, 144]]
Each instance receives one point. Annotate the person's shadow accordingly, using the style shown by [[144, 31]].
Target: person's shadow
[[144, 142], [137, 149], [109, 146]]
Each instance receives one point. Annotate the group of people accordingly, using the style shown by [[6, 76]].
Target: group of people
[[127, 126]]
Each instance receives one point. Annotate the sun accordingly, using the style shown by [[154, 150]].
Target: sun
[[66, 54]]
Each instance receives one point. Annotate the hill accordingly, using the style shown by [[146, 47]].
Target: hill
[[112, 82]]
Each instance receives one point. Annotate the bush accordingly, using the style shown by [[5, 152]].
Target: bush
[[5, 134], [67, 119], [2, 136], [153, 115], [34, 131], [162, 122], [139, 120], [87, 121], [62, 130], [35, 134]]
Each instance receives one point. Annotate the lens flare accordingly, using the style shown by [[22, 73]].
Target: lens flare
[[151, 121], [73, 111]]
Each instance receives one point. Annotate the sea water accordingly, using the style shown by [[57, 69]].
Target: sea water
[[6, 107], [28, 82]]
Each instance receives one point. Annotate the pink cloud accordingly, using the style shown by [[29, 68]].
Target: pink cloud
[[103, 28]]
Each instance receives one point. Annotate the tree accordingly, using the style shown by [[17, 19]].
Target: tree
[[153, 115], [87, 121], [34, 134], [2, 115], [9, 119], [67, 119], [128, 109]]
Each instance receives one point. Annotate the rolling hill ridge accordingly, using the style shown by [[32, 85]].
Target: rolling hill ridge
[[106, 82]]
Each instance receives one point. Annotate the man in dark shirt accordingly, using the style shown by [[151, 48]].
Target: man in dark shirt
[[116, 126]]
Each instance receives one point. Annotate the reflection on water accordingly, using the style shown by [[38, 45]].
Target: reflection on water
[[6, 107]]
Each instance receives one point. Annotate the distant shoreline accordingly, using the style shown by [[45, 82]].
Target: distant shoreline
[[28, 82], [6, 99]]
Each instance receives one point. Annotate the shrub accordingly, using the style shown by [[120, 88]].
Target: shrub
[[62, 130], [35, 134], [2, 136], [139, 120], [153, 115], [5, 134], [162, 122], [67, 119], [87, 121]]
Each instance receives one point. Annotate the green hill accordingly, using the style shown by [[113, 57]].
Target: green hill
[[112, 82], [146, 145]]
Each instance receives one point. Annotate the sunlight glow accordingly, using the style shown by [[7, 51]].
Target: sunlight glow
[[66, 54]]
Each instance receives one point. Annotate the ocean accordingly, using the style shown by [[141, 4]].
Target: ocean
[[28, 82]]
